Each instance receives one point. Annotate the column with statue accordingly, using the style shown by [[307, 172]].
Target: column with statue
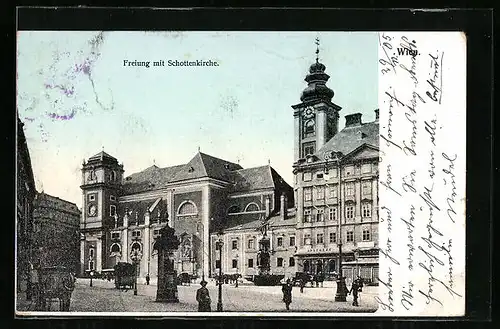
[[166, 244]]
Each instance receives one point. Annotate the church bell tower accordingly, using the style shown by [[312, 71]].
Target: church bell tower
[[316, 117]]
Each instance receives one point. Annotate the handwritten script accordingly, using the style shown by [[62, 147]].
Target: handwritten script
[[422, 173]]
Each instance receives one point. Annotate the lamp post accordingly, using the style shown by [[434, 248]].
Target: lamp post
[[219, 245], [91, 275], [340, 295], [135, 256]]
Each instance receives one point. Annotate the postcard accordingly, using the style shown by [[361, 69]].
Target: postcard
[[203, 173]]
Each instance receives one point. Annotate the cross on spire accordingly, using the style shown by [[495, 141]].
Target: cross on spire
[[317, 49]]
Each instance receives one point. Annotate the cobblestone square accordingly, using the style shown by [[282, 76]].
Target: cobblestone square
[[104, 297]]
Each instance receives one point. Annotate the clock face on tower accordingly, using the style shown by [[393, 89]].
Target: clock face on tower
[[92, 210], [308, 112]]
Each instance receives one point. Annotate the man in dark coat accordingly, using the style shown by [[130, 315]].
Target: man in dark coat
[[354, 290], [287, 293], [147, 279], [203, 298]]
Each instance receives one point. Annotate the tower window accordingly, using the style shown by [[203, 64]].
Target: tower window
[[292, 241], [250, 262], [308, 148], [92, 197], [309, 128], [112, 198], [280, 242], [291, 261], [112, 210]]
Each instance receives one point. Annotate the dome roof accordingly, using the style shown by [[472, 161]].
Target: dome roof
[[316, 80]]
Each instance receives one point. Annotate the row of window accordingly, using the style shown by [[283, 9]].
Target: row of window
[[92, 197], [186, 209], [318, 214], [280, 262], [135, 234], [251, 243], [319, 191], [110, 176], [366, 236], [365, 168]]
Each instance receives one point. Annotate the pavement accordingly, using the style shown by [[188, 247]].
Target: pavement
[[104, 297]]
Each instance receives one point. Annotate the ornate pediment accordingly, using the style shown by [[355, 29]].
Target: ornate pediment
[[364, 152]]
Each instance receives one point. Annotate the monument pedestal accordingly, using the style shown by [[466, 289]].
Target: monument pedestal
[[167, 286]]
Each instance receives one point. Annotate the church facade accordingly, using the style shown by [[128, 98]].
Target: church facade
[[122, 216], [335, 214]]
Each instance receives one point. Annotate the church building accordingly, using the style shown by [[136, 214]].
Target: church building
[[122, 216]]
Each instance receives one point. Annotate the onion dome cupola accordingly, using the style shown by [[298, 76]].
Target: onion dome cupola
[[316, 80]]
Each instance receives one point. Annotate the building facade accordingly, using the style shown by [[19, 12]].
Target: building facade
[[122, 216], [335, 213], [25, 190], [56, 226]]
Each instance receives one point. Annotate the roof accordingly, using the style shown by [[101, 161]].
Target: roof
[[101, 155], [200, 166], [274, 222], [351, 138], [253, 178], [150, 178]]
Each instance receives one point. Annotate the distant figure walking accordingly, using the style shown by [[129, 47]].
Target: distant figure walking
[[302, 284], [287, 293], [355, 288], [203, 298], [147, 279]]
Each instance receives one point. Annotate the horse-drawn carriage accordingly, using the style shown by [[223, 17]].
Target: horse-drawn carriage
[[228, 278], [185, 277], [304, 278], [56, 282], [125, 275]]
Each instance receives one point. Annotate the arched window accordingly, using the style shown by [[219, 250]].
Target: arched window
[[309, 128], [187, 208], [233, 209], [115, 248], [136, 246], [252, 207]]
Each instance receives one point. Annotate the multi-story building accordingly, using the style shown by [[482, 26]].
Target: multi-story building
[[335, 193], [26, 190], [335, 180], [123, 215], [56, 225], [241, 244]]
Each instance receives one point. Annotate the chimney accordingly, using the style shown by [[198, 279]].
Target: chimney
[[376, 115], [353, 120], [284, 206], [268, 206]]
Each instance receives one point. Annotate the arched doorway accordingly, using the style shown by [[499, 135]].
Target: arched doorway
[[115, 254]]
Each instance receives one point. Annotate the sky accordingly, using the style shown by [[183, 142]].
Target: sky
[[77, 98]]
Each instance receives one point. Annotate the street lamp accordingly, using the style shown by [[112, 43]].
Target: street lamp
[[219, 243], [91, 275], [340, 295], [135, 256]]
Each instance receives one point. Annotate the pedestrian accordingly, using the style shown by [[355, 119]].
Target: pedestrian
[[355, 290], [203, 298], [287, 293], [302, 284], [147, 279]]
